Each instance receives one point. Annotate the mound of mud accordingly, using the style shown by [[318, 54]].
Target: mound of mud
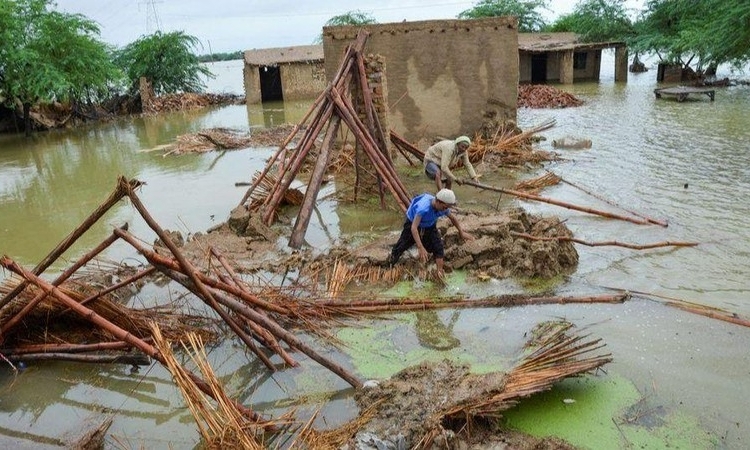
[[496, 251]]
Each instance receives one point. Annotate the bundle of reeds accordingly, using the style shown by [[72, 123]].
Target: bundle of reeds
[[221, 425], [534, 185], [554, 355]]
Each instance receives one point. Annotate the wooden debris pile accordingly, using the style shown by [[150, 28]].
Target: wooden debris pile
[[545, 96], [208, 140], [253, 319], [188, 100], [506, 146]]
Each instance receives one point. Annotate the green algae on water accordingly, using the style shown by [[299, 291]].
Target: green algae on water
[[606, 412]]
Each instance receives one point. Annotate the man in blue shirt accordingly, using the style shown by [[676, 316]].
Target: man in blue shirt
[[420, 227]]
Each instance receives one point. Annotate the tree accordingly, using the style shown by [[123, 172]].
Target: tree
[[48, 56], [166, 60], [701, 34], [529, 19], [355, 17], [597, 21]]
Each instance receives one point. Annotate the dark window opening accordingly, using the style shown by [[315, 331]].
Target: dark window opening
[[579, 60], [270, 83]]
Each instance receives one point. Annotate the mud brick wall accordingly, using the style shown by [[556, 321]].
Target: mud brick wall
[[442, 74]]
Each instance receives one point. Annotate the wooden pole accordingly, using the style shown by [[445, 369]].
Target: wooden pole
[[281, 150], [654, 221], [605, 243], [66, 348], [378, 305], [123, 358], [557, 203], [313, 186]]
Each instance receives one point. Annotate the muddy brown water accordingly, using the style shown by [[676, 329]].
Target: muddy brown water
[[687, 163]]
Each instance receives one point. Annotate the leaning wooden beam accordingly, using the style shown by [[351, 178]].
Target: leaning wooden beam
[[384, 167], [69, 240], [557, 203], [59, 280], [281, 150], [604, 243], [283, 182], [106, 325], [404, 145], [313, 186]]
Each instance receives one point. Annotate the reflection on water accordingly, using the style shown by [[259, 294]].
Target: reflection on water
[[433, 333], [684, 162]]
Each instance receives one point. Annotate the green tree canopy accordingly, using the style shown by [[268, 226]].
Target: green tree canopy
[[597, 21], [165, 59], [48, 56], [355, 17], [695, 34], [529, 18]]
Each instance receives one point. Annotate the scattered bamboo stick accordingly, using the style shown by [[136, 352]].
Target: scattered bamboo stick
[[557, 203], [692, 307], [408, 304], [593, 194], [605, 243]]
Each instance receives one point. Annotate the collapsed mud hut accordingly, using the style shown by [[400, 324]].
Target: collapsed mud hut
[[271, 319]]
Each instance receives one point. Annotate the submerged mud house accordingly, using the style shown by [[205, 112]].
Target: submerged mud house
[[561, 58], [285, 73], [442, 77]]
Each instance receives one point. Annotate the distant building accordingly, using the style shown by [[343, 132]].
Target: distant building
[[561, 58], [287, 73], [443, 77]]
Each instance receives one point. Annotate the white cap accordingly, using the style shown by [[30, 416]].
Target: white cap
[[446, 196], [464, 139]]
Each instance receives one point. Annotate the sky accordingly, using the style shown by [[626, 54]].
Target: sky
[[230, 25]]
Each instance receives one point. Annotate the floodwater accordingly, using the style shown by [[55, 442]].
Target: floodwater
[[687, 163]]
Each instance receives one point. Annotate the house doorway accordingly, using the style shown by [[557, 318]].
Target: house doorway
[[270, 83], [539, 68]]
